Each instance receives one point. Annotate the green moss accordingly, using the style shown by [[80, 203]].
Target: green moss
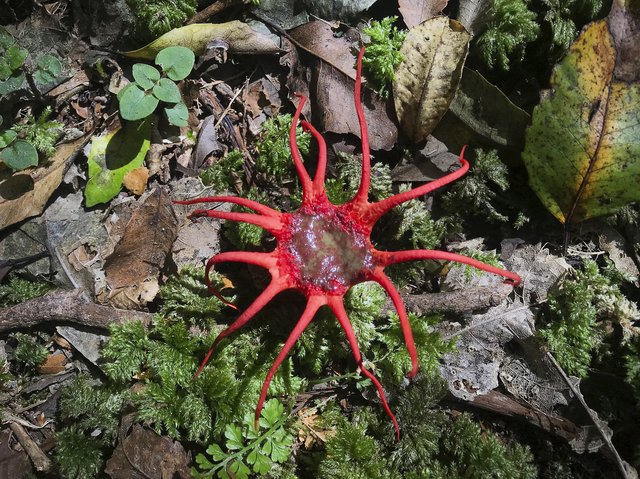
[[40, 132], [511, 26], [222, 174], [18, 290], [155, 17], [245, 235], [274, 156], [29, 351], [562, 15], [382, 55], [573, 333], [77, 456]]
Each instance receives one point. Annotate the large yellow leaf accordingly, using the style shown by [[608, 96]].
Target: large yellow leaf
[[427, 78], [583, 147], [240, 37]]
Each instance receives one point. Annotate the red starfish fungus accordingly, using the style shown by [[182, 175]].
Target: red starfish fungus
[[323, 249]]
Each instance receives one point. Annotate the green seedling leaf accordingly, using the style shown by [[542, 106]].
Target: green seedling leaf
[[112, 156], [49, 68], [240, 469], [19, 155], [5, 69], [176, 62], [167, 91], [15, 56], [234, 437], [145, 75], [6, 39], [12, 83], [178, 114], [582, 149], [7, 137], [272, 412], [135, 103]]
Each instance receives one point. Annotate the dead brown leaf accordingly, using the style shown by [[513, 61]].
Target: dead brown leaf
[[144, 454], [53, 364], [414, 12], [24, 194], [136, 180], [132, 270]]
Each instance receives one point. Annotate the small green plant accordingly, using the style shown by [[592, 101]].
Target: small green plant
[[274, 156], [12, 65], [221, 174], [382, 55], [510, 27], [574, 333], [140, 98], [249, 449], [29, 352], [18, 290], [19, 145], [155, 17], [562, 14], [78, 456]]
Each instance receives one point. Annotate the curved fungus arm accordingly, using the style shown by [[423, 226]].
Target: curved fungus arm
[[246, 202], [363, 191], [272, 225], [313, 304], [318, 179], [376, 210], [384, 281], [336, 305], [275, 287], [305, 180], [393, 257]]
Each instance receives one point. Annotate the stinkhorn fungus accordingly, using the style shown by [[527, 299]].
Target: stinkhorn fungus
[[324, 249]]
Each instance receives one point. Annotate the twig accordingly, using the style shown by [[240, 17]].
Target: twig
[[578, 394], [226, 110], [40, 460], [66, 306], [210, 11]]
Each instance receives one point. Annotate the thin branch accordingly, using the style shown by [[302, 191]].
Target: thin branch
[[40, 460], [210, 11], [66, 306], [607, 440]]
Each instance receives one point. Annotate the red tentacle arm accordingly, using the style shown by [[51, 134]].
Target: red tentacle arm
[[266, 260], [384, 281], [305, 180], [393, 257], [336, 305], [272, 225], [276, 286], [363, 191], [254, 205], [318, 179], [376, 210], [313, 304]]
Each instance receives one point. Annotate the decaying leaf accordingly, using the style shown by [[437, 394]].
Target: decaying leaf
[[473, 368], [24, 194], [241, 38], [133, 268], [144, 454], [414, 12], [488, 112], [473, 14], [112, 156], [583, 148], [427, 78], [136, 180], [343, 10]]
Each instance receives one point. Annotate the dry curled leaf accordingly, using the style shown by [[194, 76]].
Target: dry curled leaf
[[428, 76], [414, 12]]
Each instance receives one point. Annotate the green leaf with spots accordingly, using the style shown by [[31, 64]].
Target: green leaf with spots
[[112, 156], [582, 150]]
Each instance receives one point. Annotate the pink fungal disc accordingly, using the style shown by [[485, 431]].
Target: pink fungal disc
[[323, 249]]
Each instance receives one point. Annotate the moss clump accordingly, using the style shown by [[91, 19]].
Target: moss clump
[[274, 156], [29, 351], [18, 290], [574, 333], [222, 174], [382, 55], [155, 17], [509, 28]]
